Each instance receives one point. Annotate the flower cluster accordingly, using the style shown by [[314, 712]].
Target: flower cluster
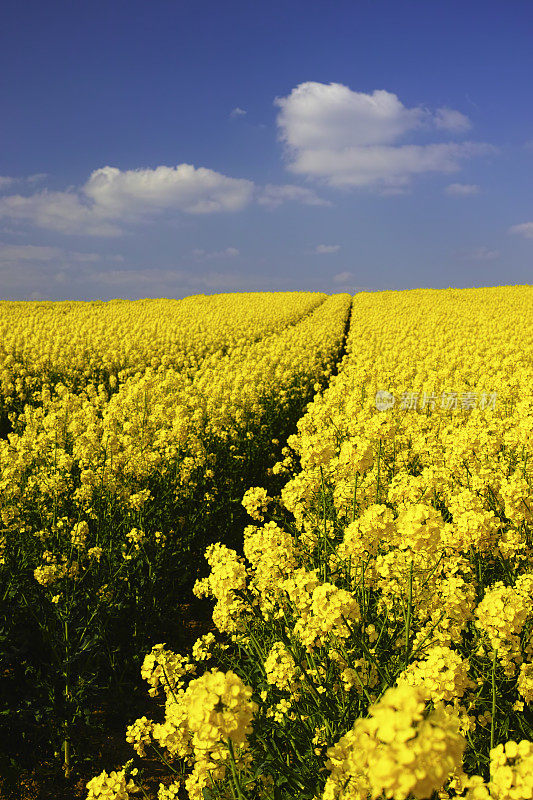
[[442, 673], [167, 669], [255, 501], [511, 771], [280, 668], [397, 751], [115, 786], [501, 615], [219, 706]]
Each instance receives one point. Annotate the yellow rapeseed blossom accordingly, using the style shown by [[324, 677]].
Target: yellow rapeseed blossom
[[255, 501], [396, 751], [114, 786], [442, 673], [167, 669], [219, 707], [511, 771], [501, 615], [280, 668]]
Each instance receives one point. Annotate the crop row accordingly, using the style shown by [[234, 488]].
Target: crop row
[[375, 630], [75, 343], [109, 498]]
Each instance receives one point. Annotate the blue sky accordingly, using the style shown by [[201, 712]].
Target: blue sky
[[155, 148]]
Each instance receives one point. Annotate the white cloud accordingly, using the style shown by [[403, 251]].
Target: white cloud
[[524, 229], [57, 211], [273, 196], [111, 197], [484, 254], [31, 179], [478, 254], [317, 115], [462, 189], [367, 166], [451, 120], [204, 255], [181, 188], [238, 112], [343, 277], [349, 138], [326, 249]]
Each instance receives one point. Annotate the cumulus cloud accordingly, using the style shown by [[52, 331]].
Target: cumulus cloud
[[317, 115], [349, 138], [182, 188], [238, 112], [112, 197], [524, 229], [462, 189], [326, 249], [273, 196], [63, 212]]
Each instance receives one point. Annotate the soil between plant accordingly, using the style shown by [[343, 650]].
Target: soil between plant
[[105, 746]]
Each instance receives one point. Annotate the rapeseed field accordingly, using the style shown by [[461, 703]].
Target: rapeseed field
[[358, 472]]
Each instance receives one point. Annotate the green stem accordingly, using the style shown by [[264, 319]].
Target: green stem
[[493, 711], [141, 787], [363, 687], [379, 667], [233, 765], [354, 496], [409, 612], [163, 759], [323, 558], [66, 765]]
